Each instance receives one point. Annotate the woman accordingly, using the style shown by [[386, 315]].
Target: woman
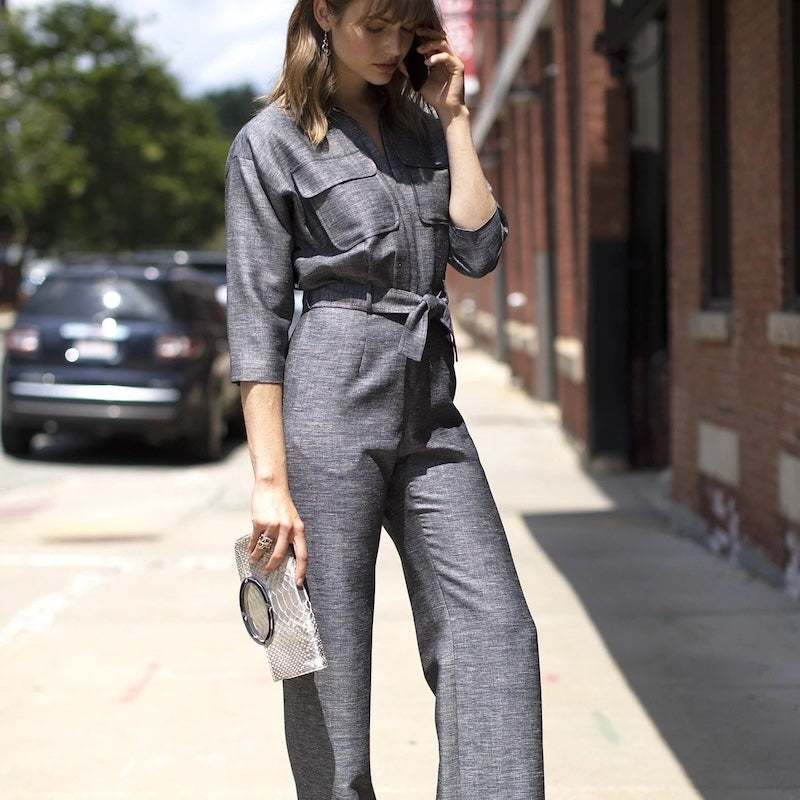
[[359, 191]]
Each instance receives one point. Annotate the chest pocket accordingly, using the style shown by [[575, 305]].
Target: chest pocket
[[431, 181], [348, 199]]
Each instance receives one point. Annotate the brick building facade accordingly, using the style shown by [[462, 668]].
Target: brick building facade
[[647, 154]]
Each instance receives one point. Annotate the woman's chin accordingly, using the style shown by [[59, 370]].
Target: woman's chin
[[382, 78]]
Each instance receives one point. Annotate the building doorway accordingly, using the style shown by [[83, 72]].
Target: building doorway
[[646, 73]]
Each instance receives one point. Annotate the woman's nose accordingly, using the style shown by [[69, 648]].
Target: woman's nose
[[395, 44]]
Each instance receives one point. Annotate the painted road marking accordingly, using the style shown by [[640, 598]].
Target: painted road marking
[[133, 692], [116, 563], [39, 616]]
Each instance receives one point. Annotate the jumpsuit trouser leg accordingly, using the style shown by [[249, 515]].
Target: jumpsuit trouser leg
[[393, 449], [476, 638]]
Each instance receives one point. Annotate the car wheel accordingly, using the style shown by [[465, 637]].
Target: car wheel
[[16, 441], [206, 443]]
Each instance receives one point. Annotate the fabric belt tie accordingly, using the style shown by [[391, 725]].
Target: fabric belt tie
[[419, 309]]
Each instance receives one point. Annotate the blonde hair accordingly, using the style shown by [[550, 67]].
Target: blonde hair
[[307, 82]]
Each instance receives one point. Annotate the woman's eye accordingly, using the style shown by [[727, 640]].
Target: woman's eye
[[372, 29]]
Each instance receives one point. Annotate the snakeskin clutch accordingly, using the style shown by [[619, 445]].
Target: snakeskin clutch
[[278, 615]]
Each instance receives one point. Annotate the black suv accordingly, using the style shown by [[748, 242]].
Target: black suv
[[113, 349], [211, 263]]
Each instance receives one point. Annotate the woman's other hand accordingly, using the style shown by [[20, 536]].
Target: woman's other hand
[[471, 201], [444, 89]]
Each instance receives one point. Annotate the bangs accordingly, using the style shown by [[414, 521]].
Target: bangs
[[415, 13]]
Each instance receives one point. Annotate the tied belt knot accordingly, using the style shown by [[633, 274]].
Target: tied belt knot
[[415, 331], [419, 309]]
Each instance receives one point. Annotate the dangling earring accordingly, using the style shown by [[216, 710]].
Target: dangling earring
[[325, 47]]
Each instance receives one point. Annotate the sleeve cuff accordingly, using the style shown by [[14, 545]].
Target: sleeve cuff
[[476, 252]]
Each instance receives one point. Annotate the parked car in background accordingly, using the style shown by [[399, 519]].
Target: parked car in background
[[120, 349], [33, 275], [210, 263]]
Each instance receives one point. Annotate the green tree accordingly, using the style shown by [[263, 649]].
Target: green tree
[[98, 149], [234, 107]]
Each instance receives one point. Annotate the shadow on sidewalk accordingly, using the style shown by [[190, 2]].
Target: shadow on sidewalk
[[712, 655]]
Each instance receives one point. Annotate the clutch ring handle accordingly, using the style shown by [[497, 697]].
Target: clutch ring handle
[[248, 623]]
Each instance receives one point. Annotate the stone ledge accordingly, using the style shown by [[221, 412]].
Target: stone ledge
[[783, 329], [710, 326], [477, 322], [522, 337], [789, 486], [718, 453], [569, 358]]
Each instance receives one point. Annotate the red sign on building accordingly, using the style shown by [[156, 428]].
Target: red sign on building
[[460, 24]]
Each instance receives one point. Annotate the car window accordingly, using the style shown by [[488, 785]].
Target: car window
[[215, 275], [121, 298], [212, 308], [198, 307]]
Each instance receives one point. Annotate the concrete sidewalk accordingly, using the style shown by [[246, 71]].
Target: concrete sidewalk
[[667, 672]]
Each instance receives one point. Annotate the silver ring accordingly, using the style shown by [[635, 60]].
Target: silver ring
[[264, 542]]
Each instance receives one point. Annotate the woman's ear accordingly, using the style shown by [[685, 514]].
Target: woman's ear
[[322, 14]]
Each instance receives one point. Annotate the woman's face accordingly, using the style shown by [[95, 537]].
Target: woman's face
[[368, 50]]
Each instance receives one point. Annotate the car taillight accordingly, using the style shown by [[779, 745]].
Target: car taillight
[[172, 346], [24, 341]]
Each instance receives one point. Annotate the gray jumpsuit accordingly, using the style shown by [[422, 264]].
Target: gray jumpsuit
[[373, 439]]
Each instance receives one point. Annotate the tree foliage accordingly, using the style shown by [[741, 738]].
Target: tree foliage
[[234, 107], [98, 149]]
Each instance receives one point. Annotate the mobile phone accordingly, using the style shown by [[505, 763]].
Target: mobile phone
[[415, 66]]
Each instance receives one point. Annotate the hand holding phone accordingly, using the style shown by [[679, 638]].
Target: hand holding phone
[[415, 66]]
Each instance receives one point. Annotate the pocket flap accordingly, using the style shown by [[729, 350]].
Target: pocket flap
[[318, 176], [422, 160]]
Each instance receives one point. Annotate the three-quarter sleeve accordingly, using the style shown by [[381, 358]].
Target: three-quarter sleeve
[[475, 253], [259, 272]]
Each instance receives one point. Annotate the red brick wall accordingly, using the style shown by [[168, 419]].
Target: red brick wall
[[685, 233], [570, 246], [757, 257], [747, 384], [566, 48], [466, 293], [589, 125]]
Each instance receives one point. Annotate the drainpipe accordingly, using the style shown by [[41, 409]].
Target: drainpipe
[[525, 30]]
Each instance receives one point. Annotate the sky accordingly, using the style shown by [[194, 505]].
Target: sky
[[209, 44]]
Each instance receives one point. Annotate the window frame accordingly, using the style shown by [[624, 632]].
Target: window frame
[[717, 265], [790, 29]]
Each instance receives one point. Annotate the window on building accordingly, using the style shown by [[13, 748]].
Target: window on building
[[793, 152], [716, 160]]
